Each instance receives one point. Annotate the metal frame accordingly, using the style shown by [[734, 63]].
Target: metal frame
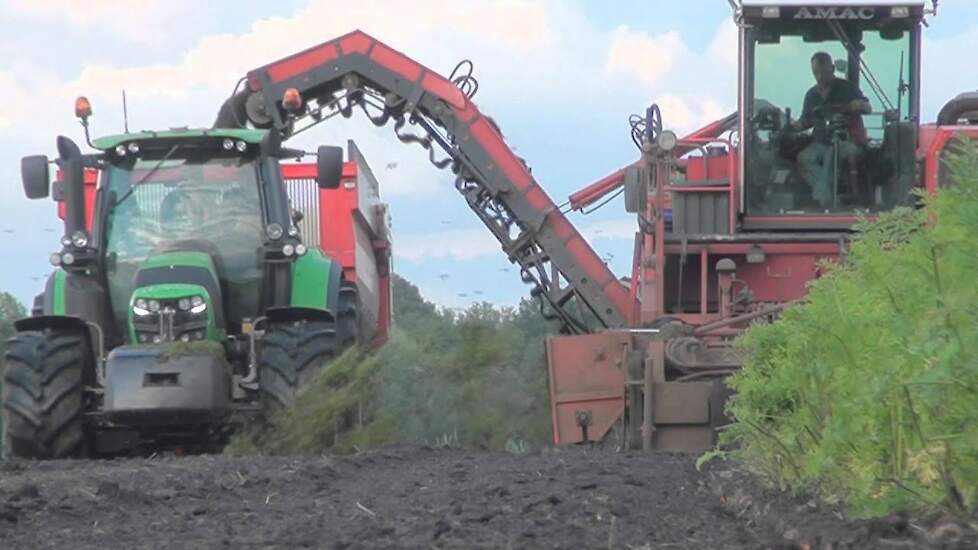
[[359, 71]]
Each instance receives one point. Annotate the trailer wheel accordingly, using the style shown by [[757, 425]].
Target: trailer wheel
[[43, 400], [292, 354], [347, 316]]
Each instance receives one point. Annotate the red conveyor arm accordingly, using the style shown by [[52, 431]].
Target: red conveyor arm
[[358, 71], [599, 189]]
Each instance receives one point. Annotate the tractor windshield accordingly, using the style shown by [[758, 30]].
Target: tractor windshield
[[831, 116], [210, 205]]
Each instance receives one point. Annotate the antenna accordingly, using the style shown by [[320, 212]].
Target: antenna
[[125, 112]]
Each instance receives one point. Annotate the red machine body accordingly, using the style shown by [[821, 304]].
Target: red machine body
[[706, 266]]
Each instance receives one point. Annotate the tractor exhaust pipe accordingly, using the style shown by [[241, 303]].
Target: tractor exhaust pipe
[[232, 113], [72, 165], [963, 107]]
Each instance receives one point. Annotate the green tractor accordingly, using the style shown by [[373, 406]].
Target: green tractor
[[184, 294]]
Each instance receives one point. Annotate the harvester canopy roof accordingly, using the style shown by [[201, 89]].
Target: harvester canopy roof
[[246, 135]]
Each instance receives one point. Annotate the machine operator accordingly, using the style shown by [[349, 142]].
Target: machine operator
[[829, 96]]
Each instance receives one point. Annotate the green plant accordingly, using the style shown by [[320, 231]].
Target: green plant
[[868, 392], [475, 378]]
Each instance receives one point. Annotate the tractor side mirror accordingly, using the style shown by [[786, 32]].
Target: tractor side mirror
[[72, 165], [635, 191], [329, 166], [35, 175]]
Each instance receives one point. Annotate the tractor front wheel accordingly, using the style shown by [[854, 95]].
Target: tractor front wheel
[[292, 354], [43, 401]]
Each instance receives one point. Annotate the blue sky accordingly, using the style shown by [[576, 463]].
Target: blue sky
[[560, 77]]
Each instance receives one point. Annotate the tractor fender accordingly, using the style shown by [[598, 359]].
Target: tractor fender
[[41, 323], [292, 314], [52, 322], [316, 280]]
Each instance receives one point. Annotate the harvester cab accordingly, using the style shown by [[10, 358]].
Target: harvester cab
[[185, 289], [829, 110]]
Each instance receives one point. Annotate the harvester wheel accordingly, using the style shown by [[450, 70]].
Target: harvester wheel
[[43, 400], [292, 354], [347, 317]]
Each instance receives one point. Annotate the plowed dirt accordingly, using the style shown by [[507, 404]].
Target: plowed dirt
[[416, 497]]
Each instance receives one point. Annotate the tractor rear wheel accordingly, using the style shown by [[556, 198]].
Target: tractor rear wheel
[[292, 354], [43, 401], [347, 317]]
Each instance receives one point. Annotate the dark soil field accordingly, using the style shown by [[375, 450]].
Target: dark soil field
[[414, 497]]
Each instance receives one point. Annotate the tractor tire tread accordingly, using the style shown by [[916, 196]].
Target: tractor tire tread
[[291, 356], [43, 394]]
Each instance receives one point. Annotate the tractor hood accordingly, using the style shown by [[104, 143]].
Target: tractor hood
[[176, 296]]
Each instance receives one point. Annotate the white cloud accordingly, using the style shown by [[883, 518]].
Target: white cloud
[[472, 244], [140, 21], [944, 75], [686, 114], [4, 121], [723, 48], [621, 228], [87, 13], [647, 58], [461, 245], [691, 88], [217, 61]]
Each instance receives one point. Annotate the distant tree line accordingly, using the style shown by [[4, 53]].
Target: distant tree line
[[474, 378]]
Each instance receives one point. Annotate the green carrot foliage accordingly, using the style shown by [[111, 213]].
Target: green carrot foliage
[[868, 392]]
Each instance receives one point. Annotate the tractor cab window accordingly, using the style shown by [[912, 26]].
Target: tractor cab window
[[831, 120], [210, 205]]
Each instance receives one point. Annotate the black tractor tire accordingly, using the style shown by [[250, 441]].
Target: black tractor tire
[[347, 316], [292, 354], [43, 394]]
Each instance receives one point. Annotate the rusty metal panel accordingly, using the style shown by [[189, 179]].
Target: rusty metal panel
[[681, 402], [683, 438], [587, 377]]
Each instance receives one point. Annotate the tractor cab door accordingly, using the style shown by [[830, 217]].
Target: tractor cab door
[[829, 105]]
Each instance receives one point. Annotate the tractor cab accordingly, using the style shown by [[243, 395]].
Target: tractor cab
[[829, 110], [191, 202], [191, 232]]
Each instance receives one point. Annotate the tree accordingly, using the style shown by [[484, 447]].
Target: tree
[[10, 310]]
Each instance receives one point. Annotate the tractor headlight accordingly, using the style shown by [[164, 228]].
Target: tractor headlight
[[141, 308], [153, 305], [197, 305], [274, 231], [133, 147], [67, 258], [120, 150], [667, 140], [300, 249], [227, 144], [79, 239], [241, 146], [288, 250], [65, 240], [183, 304], [55, 259]]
